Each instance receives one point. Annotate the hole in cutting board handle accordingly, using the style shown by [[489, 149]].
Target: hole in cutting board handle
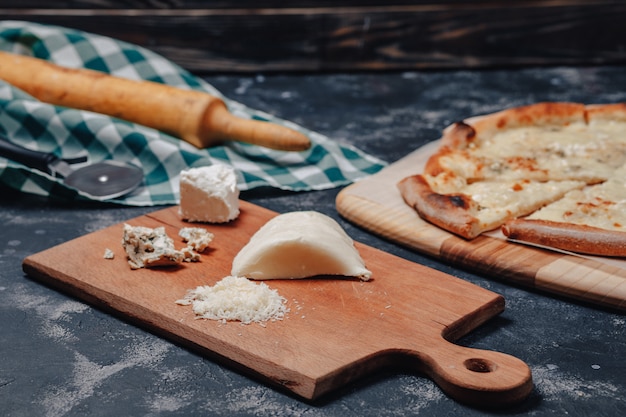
[[480, 365], [482, 378]]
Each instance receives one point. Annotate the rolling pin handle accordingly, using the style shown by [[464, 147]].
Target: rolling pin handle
[[219, 125]]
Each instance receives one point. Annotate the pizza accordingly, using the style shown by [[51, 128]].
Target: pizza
[[551, 174]]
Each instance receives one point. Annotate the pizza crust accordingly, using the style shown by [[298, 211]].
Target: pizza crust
[[448, 211], [567, 236], [605, 113]]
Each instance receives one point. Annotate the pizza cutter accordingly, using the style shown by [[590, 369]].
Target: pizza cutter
[[101, 181]]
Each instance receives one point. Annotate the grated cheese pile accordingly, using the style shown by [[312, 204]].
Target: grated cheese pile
[[236, 299]]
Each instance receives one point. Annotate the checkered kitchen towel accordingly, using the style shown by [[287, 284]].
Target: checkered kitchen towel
[[68, 132]]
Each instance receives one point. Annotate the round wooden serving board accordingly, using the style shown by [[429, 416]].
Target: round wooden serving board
[[375, 203]]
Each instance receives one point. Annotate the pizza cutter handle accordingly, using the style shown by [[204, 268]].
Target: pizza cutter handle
[[43, 161], [478, 377], [30, 158]]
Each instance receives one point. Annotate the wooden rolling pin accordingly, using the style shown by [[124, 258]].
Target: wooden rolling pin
[[196, 117]]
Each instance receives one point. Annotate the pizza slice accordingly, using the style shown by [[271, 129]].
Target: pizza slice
[[469, 209], [590, 220]]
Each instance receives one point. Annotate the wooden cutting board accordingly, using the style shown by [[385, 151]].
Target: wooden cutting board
[[375, 204], [337, 330]]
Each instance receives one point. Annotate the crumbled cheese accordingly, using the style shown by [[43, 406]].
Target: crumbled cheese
[[299, 244], [146, 247], [189, 255], [209, 194], [236, 299], [196, 237], [108, 254]]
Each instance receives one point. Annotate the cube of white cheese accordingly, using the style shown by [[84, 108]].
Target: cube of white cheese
[[209, 194]]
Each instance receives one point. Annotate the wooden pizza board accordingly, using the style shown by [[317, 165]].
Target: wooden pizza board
[[337, 330], [375, 204]]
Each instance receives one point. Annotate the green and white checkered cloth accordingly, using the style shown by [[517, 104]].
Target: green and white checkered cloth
[[68, 132]]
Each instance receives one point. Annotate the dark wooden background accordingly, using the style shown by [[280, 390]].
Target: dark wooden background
[[348, 35]]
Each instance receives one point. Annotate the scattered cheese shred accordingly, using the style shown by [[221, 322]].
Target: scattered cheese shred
[[236, 299]]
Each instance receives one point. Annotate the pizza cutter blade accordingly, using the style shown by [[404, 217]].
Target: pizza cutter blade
[[105, 180], [101, 181]]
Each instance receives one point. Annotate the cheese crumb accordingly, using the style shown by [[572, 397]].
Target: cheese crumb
[[189, 255], [196, 237], [108, 254], [146, 247], [236, 299]]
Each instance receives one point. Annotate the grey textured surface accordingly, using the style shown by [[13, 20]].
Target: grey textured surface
[[61, 357]]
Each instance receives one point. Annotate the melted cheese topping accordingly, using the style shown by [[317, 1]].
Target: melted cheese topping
[[602, 206], [577, 151]]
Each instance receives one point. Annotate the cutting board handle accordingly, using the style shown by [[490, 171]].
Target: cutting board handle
[[477, 377]]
